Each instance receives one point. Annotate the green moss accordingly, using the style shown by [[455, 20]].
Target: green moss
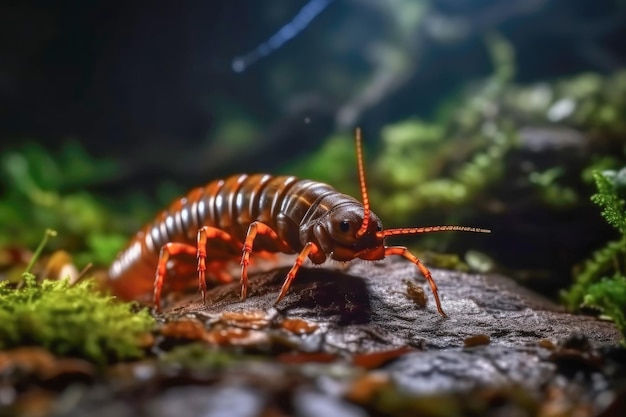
[[610, 295], [601, 283], [69, 319], [601, 264], [610, 185]]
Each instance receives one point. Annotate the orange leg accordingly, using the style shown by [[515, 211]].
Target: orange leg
[[174, 248], [310, 247], [205, 233], [254, 229], [168, 250], [402, 251]]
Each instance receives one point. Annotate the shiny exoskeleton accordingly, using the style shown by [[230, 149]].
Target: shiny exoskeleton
[[230, 217]]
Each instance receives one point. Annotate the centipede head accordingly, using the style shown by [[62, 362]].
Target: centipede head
[[358, 233], [351, 230], [337, 233]]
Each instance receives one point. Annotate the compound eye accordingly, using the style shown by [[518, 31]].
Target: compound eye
[[344, 226]]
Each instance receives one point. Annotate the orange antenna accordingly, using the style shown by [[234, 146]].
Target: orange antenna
[[429, 229], [366, 200]]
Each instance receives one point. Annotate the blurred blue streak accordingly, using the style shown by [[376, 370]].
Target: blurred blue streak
[[284, 34]]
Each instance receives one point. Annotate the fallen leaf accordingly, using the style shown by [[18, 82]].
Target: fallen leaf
[[365, 387], [255, 319], [377, 359], [298, 326], [184, 329], [477, 340]]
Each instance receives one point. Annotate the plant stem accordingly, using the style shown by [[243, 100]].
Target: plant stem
[[48, 234]]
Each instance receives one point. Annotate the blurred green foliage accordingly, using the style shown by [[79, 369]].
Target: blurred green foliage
[[484, 148], [593, 102], [452, 160], [334, 163], [444, 169], [601, 283], [414, 170], [43, 190], [448, 162]]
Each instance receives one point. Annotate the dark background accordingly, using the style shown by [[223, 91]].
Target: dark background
[[150, 86], [150, 83]]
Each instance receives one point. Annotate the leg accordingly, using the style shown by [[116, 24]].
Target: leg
[[169, 249], [174, 248], [402, 251], [205, 233], [310, 247], [254, 229]]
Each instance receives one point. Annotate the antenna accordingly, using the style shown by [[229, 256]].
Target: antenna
[[399, 231], [429, 229], [366, 200]]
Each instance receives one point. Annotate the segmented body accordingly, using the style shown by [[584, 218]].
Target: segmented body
[[230, 217], [283, 203]]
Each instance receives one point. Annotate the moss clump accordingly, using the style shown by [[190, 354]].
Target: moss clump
[[70, 320], [611, 190], [601, 283], [610, 295]]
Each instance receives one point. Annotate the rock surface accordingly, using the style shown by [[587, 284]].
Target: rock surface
[[358, 342], [366, 307], [528, 343]]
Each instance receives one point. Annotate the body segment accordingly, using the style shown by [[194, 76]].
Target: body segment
[[231, 204], [198, 234]]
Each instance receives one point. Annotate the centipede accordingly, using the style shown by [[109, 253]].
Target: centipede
[[229, 219]]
